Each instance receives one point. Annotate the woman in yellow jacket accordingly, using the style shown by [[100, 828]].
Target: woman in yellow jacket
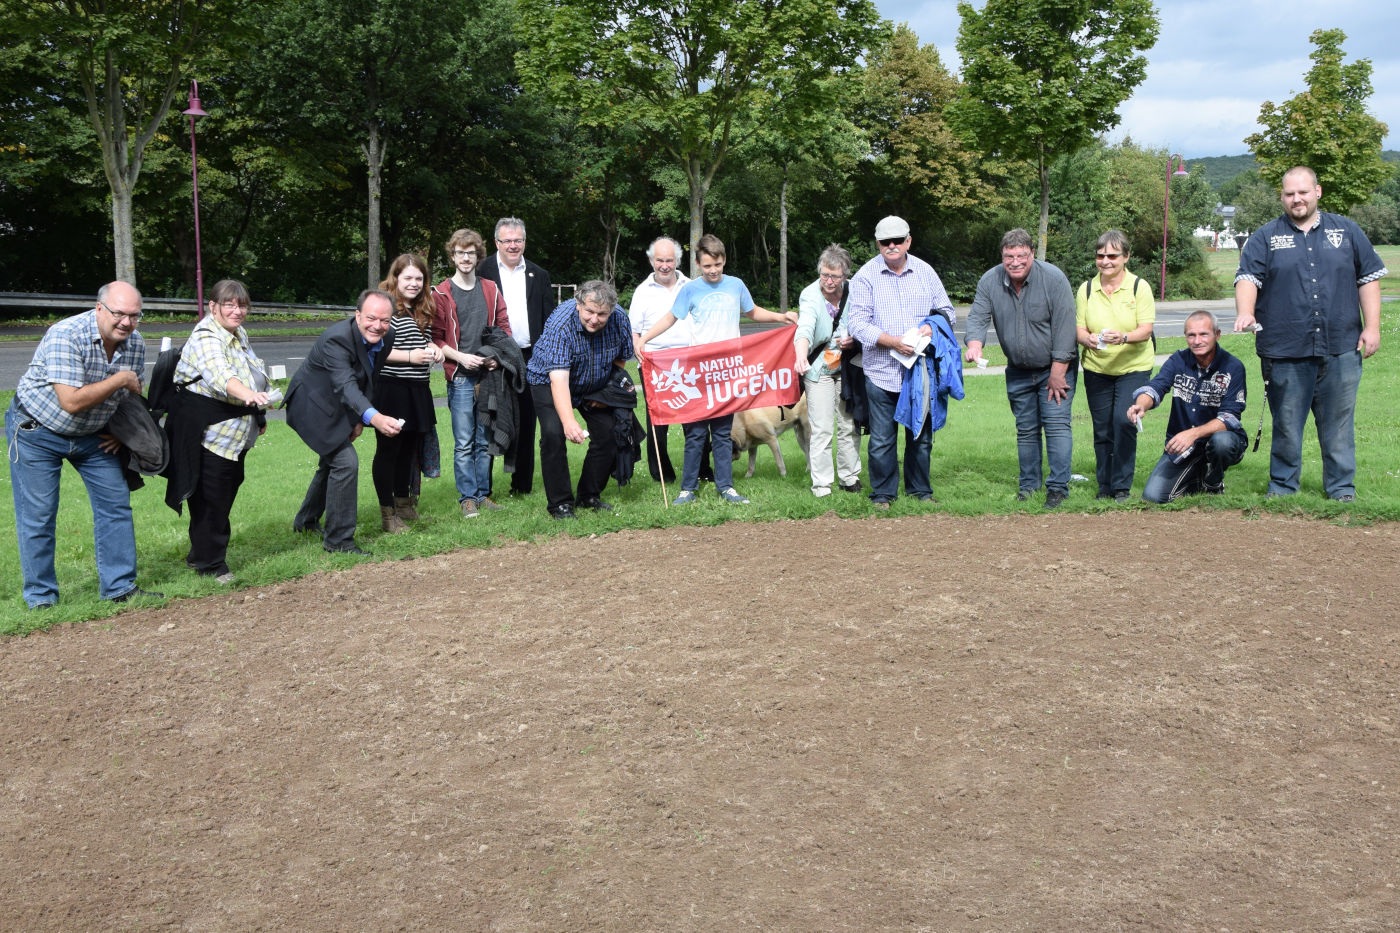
[[1114, 314]]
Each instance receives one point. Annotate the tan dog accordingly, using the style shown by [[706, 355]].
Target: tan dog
[[763, 425]]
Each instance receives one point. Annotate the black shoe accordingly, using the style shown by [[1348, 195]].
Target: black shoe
[[312, 529], [927, 497], [1344, 497], [352, 549], [563, 512], [136, 592], [1121, 497], [594, 503], [1024, 495], [518, 491], [40, 607], [1054, 499], [852, 487]]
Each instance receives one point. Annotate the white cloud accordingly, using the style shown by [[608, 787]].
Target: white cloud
[[1215, 63]]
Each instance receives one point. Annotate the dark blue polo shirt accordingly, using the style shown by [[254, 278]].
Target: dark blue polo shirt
[[1307, 280], [1200, 395]]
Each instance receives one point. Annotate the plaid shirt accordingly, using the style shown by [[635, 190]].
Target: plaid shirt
[[214, 355], [72, 354], [883, 302], [566, 344]]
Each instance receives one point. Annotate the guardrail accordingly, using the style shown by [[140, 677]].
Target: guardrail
[[72, 304]]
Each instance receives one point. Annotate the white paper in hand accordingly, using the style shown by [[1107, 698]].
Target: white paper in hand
[[914, 339]]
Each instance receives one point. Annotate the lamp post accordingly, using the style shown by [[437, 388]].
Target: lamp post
[[1166, 209], [195, 112]]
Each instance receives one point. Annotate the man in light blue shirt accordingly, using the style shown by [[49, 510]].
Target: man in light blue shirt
[[890, 296]]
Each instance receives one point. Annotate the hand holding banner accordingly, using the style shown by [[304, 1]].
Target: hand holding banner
[[713, 379]]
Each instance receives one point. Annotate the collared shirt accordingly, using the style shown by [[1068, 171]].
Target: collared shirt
[[649, 302], [1308, 279], [373, 350], [566, 344], [889, 303], [513, 290], [212, 356], [1034, 328], [71, 354], [1199, 395], [1129, 307]]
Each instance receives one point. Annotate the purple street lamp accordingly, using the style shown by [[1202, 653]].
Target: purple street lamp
[[1166, 208], [194, 113]]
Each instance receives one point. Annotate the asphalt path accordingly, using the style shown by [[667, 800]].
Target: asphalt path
[[280, 350]]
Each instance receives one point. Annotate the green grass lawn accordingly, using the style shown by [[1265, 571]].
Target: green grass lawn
[[973, 466], [1224, 263]]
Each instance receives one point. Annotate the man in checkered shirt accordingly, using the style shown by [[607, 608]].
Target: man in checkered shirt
[[60, 411], [890, 296]]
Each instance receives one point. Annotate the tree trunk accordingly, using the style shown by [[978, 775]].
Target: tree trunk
[[374, 157], [123, 241], [782, 245], [698, 188], [1044, 229]]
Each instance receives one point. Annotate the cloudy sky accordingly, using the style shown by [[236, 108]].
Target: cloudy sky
[[1215, 63]]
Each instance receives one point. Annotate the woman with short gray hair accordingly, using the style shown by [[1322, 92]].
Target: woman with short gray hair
[[821, 342]]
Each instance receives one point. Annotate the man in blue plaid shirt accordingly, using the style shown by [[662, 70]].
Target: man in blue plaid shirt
[[60, 412]]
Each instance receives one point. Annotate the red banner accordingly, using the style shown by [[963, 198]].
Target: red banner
[[694, 383]]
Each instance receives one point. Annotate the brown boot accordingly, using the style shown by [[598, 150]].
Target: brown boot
[[404, 508], [392, 523]]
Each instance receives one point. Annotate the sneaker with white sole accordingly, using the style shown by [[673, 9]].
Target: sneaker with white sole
[[686, 497], [732, 496]]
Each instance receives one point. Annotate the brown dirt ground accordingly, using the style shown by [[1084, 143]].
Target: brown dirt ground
[[1015, 723]]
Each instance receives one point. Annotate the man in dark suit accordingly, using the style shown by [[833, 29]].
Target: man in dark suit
[[529, 301], [328, 404]]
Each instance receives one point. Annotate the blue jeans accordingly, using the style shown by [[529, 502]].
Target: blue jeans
[[1326, 386], [1034, 413], [882, 453], [36, 461], [1204, 467], [1115, 437], [717, 431], [471, 461]]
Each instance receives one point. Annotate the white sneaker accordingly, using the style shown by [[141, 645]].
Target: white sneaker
[[821, 492]]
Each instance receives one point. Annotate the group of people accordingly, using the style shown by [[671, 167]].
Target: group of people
[[875, 351]]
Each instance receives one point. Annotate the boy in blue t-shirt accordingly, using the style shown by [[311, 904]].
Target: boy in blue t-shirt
[[712, 304]]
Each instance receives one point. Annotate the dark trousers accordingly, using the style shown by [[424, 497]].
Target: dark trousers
[[522, 481], [333, 493], [1115, 437], [656, 447], [210, 506], [395, 463], [554, 453]]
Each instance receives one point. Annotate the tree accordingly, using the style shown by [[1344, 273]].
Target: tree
[[1256, 201], [683, 72], [128, 58], [1325, 128], [1042, 78], [367, 76]]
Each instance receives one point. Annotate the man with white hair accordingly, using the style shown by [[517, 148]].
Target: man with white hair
[[652, 299]]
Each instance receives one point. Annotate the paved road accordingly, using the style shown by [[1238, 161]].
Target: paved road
[[279, 350]]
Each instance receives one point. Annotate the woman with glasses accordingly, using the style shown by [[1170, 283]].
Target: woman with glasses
[[402, 388], [215, 418], [1114, 314]]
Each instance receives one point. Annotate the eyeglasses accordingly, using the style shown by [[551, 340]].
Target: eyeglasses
[[892, 241], [133, 316], [831, 276], [1107, 255], [463, 253], [230, 306], [518, 241]]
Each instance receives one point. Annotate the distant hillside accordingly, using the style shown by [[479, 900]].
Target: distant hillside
[[1220, 169]]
